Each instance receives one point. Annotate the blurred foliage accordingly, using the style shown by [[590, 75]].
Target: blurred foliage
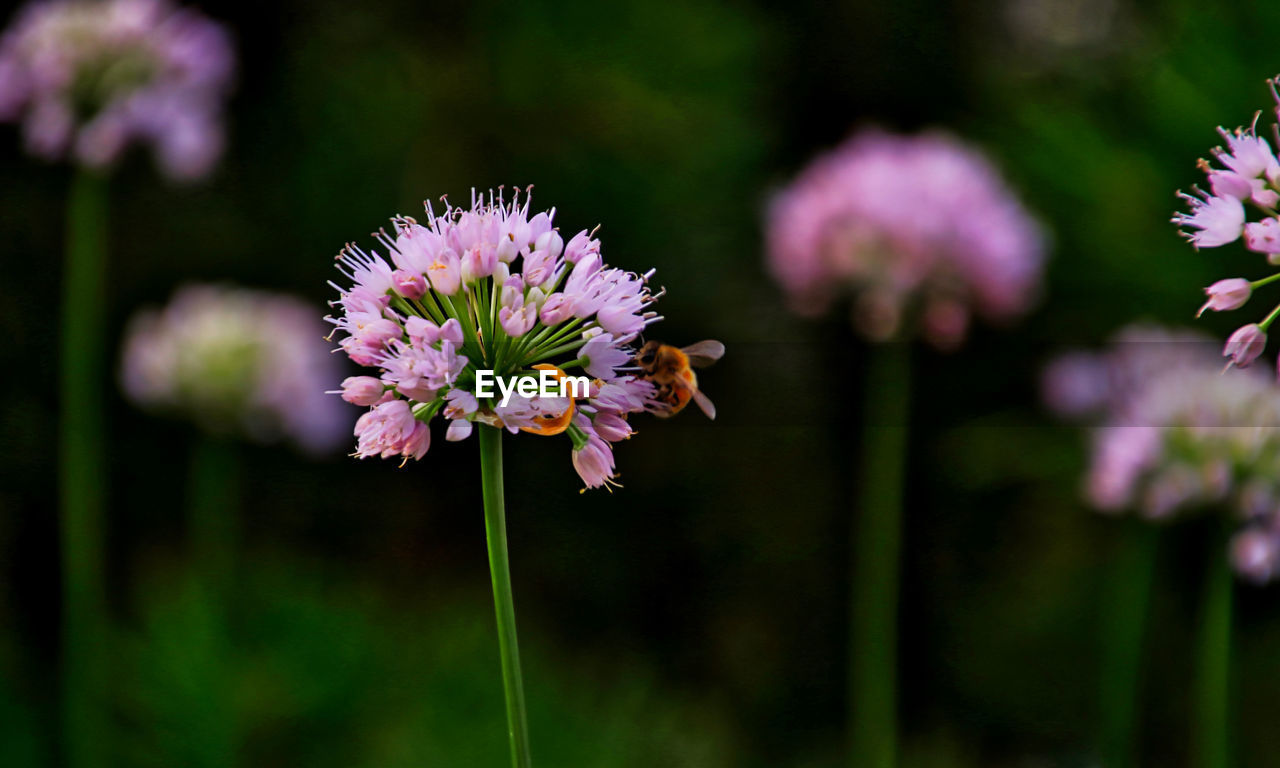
[[698, 615], [335, 674]]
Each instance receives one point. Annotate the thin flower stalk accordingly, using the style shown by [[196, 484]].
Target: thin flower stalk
[[492, 293]]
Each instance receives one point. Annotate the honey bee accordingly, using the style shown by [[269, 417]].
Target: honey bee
[[670, 371], [551, 423]]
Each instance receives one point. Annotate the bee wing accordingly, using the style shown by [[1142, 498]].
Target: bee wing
[[704, 353], [705, 404]]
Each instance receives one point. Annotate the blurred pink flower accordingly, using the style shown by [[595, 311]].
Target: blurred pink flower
[[88, 78], [237, 360], [904, 222], [1176, 435]]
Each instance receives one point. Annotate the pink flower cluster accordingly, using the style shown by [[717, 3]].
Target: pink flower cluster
[[490, 287], [905, 223], [1248, 180], [1177, 436], [236, 360], [88, 77]]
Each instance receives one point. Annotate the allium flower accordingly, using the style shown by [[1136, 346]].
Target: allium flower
[[922, 223], [491, 288], [87, 78], [1248, 181], [1176, 435], [234, 359], [1228, 294]]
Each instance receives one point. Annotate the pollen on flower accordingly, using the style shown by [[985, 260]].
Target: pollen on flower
[[493, 288]]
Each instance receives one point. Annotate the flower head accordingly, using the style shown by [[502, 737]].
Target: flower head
[[1248, 182], [1176, 435], [903, 222], [491, 288], [238, 360], [88, 78]]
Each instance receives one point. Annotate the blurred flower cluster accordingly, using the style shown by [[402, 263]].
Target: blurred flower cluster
[[490, 288], [236, 360], [905, 223], [1249, 176], [1175, 435], [87, 78]]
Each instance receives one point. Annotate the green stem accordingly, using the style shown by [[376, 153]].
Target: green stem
[[1123, 629], [877, 545], [1256, 284], [495, 526], [1212, 707], [81, 475], [213, 503], [1269, 319]]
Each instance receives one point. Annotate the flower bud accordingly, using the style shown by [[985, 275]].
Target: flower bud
[[1244, 346], [611, 427], [556, 309], [459, 429], [538, 265], [421, 331], [478, 262], [362, 390], [512, 293], [501, 271], [378, 332], [410, 285], [580, 245], [551, 243], [518, 322], [1263, 236], [417, 442], [451, 331], [1228, 294], [445, 273], [508, 248]]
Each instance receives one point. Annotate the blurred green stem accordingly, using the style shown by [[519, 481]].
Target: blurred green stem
[[1212, 732], [1124, 626], [81, 475], [212, 516], [877, 546], [495, 526]]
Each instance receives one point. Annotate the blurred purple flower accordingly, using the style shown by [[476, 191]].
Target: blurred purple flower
[[87, 78], [905, 221], [566, 308], [237, 360], [1175, 434]]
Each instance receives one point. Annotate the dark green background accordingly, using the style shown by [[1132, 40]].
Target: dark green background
[[696, 617]]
